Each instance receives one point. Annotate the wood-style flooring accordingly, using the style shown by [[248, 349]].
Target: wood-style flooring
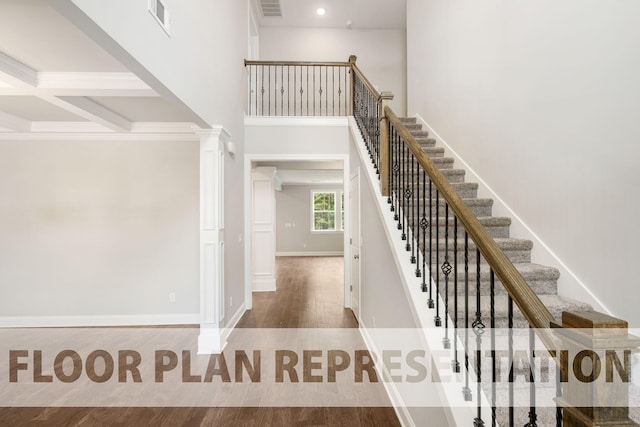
[[310, 294]]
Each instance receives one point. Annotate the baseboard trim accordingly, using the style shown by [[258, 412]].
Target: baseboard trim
[[574, 287], [323, 253], [264, 285], [112, 320], [402, 412], [231, 325]]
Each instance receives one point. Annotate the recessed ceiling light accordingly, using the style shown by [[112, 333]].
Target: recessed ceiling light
[[321, 11]]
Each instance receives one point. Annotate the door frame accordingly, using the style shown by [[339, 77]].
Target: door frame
[[355, 176], [249, 159]]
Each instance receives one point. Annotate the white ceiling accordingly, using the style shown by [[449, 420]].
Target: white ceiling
[[386, 14], [53, 73]]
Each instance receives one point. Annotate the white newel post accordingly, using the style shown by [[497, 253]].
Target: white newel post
[[212, 143]]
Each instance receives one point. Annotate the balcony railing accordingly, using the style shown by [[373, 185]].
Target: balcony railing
[[299, 88], [461, 269]]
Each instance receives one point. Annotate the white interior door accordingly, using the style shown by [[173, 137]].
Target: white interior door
[[354, 216]]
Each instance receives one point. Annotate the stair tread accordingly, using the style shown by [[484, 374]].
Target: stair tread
[[529, 271], [505, 243], [556, 304]]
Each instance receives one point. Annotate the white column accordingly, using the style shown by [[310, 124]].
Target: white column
[[212, 143], [263, 232]]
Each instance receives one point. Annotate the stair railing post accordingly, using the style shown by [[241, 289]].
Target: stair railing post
[[385, 144], [352, 79], [594, 358]]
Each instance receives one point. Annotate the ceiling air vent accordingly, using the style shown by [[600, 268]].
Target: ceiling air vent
[[159, 11], [271, 7]]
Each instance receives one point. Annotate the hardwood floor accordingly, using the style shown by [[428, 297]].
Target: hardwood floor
[[310, 294]]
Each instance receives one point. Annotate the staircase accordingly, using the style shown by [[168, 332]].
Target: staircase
[[543, 279]]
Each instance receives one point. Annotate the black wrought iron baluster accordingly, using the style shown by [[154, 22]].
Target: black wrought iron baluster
[[424, 224], [262, 91], [437, 319], [320, 90], [282, 91], [478, 329], [455, 364], [466, 391], [288, 90], [395, 168], [307, 90], [326, 89], [492, 311], [417, 219], [269, 91], [510, 359], [446, 270], [559, 414], [430, 302], [333, 91], [405, 179], [314, 90], [250, 84], [412, 209], [533, 417]]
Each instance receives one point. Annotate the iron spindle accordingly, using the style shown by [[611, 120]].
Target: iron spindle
[[466, 391], [478, 329], [492, 296], [417, 219], [424, 223], [559, 414], [510, 358], [412, 200], [430, 302], [532, 382], [455, 364], [437, 320], [446, 269], [262, 91]]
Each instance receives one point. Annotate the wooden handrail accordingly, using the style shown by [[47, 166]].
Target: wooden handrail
[[301, 63], [526, 299], [366, 81]]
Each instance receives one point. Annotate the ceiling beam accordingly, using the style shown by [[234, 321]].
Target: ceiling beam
[[17, 74], [14, 123], [92, 111], [93, 84]]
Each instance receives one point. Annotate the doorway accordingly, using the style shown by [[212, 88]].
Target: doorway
[[290, 225]]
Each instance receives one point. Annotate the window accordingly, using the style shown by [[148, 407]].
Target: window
[[327, 211]]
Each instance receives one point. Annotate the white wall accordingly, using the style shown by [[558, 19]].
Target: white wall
[[381, 53], [293, 222], [98, 228], [282, 138], [542, 99], [201, 65]]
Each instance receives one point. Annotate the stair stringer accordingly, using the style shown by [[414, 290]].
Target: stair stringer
[[457, 411], [569, 283]]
